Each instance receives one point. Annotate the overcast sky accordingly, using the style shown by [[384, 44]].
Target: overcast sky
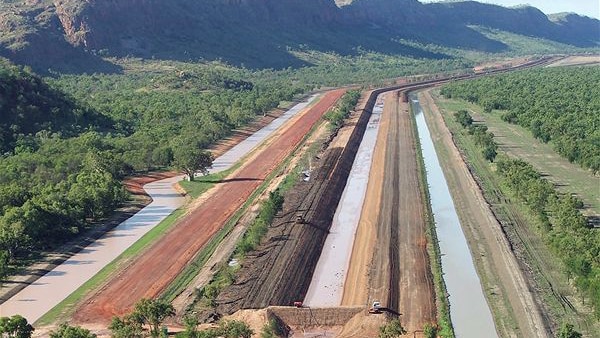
[[590, 8]]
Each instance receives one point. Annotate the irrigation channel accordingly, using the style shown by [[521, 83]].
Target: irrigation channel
[[469, 310], [327, 284], [33, 301]]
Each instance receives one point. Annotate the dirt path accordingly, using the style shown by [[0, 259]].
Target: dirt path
[[513, 302], [400, 276], [151, 272]]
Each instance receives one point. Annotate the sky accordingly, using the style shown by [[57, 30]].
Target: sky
[[589, 8]]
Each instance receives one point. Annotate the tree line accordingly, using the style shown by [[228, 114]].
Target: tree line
[[564, 228], [558, 105]]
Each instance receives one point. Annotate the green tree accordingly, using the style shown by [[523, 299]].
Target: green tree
[[126, 327], [191, 160], [429, 330], [234, 329], [464, 118], [15, 327], [191, 326], [568, 331], [4, 256], [67, 331], [153, 313], [392, 329]]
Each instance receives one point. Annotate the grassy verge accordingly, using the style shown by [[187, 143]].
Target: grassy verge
[[65, 308], [433, 249], [524, 231]]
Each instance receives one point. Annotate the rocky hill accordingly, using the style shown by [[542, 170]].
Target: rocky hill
[[258, 33]]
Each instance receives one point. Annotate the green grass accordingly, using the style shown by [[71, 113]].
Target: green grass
[[524, 232], [202, 184], [67, 306], [518, 142]]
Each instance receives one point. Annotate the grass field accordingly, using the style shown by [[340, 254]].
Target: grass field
[[518, 142], [561, 302]]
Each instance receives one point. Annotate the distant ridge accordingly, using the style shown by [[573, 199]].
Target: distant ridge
[[258, 33]]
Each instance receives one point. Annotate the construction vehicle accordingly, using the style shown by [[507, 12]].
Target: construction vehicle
[[376, 308]]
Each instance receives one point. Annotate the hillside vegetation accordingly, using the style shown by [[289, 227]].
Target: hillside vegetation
[[558, 105], [78, 36], [28, 105]]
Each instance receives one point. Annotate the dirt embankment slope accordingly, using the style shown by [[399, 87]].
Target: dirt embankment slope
[[400, 275], [280, 270], [487, 241], [151, 272]]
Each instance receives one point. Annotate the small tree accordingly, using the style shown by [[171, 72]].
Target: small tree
[[153, 313], [392, 329], [67, 331], [429, 330], [192, 160], [3, 265], [234, 329], [568, 331], [126, 327], [15, 327]]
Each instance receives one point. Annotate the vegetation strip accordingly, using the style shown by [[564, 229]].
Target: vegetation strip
[[553, 216]]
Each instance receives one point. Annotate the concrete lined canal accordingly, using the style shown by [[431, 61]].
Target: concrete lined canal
[[469, 310]]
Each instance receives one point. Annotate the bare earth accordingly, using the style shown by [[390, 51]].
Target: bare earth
[[151, 272], [400, 276], [489, 246]]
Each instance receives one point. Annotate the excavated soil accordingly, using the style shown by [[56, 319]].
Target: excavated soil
[[280, 270], [400, 276], [151, 272]]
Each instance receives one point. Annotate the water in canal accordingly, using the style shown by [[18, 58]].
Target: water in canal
[[469, 310]]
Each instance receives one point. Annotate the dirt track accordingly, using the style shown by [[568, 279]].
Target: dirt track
[[400, 276], [151, 272]]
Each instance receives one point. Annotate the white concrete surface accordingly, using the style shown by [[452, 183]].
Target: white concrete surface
[[327, 285], [240, 150], [41, 296]]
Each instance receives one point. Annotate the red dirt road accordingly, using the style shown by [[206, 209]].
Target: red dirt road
[[151, 272]]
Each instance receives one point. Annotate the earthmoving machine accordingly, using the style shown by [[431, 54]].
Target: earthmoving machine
[[376, 308]]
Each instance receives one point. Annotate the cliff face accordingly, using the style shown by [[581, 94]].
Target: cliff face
[[62, 34], [98, 24], [394, 13]]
